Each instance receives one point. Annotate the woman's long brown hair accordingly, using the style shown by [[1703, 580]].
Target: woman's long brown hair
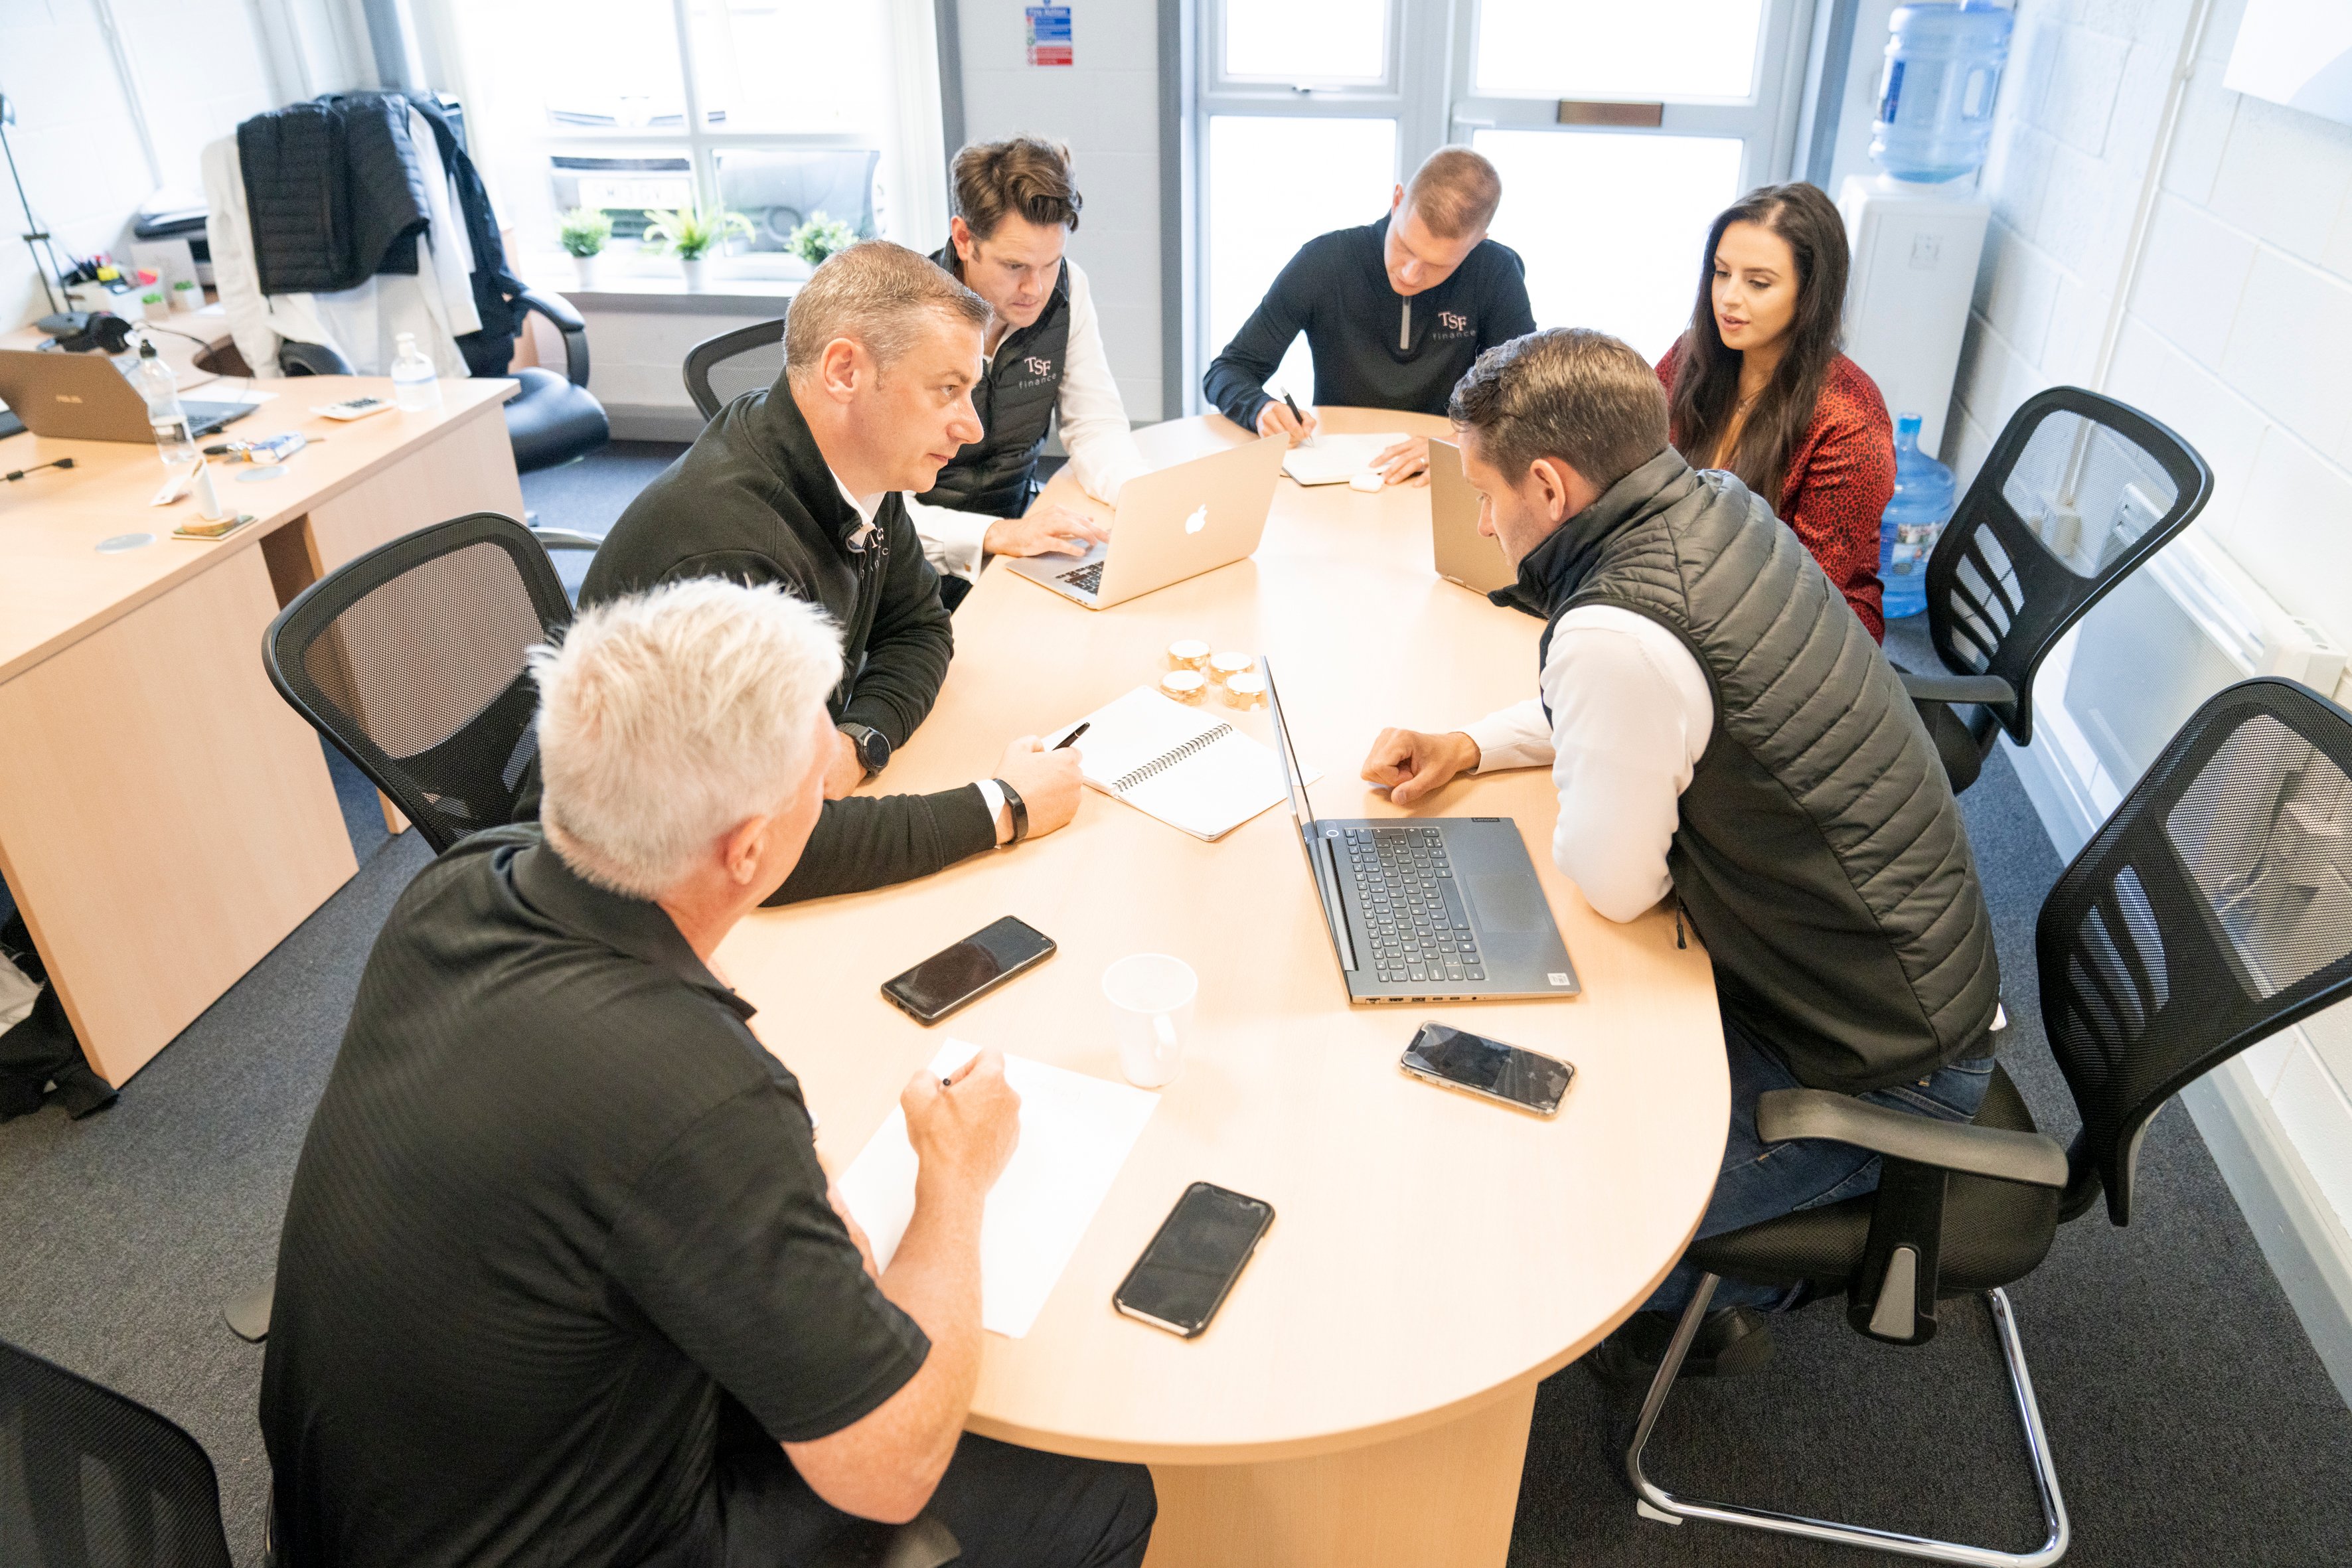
[[1707, 377]]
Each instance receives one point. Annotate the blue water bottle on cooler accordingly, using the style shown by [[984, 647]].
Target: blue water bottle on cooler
[[1914, 522], [1935, 98]]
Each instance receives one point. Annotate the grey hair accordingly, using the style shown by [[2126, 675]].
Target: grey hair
[[667, 719], [878, 294], [1569, 393]]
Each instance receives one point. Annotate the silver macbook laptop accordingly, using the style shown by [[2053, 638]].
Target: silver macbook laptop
[[84, 397], [1426, 908], [1463, 554], [1172, 524]]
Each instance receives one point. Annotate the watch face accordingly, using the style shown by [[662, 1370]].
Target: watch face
[[873, 750]]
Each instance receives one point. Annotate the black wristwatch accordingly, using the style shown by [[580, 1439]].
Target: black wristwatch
[[873, 746], [1020, 810]]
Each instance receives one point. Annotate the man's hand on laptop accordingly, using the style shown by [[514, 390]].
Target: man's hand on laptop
[[1413, 763], [1047, 783], [1047, 530], [1407, 461]]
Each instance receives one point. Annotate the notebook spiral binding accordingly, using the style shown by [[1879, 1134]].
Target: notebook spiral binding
[[1166, 760]]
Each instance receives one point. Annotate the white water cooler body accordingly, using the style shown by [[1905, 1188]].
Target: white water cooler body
[[1915, 248]]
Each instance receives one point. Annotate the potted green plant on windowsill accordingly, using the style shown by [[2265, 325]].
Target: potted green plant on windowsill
[[187, 294], [152, 305], [820, 237], [583, 232], [690, 234]]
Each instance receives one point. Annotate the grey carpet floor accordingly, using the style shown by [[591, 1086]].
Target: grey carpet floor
[[2192, 1422]]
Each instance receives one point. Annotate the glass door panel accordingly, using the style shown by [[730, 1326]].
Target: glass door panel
[[1612, 227], [1665, 50], [1275, 182]]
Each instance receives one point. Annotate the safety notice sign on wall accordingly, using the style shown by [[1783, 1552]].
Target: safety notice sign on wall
[[1049, 35]]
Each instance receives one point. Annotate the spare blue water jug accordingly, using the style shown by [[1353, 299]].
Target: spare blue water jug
[[1935, 100], [1914, 522]]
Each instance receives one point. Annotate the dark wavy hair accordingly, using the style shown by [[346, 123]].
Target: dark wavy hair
[[1706, 374]]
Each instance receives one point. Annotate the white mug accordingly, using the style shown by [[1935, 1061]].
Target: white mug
[[1151, 1006]]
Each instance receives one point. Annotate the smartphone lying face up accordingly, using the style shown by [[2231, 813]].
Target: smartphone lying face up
[[1186, 1272], [1489, 1069], [970, 970]]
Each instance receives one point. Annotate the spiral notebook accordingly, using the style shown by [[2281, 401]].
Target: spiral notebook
[[1185, 765]]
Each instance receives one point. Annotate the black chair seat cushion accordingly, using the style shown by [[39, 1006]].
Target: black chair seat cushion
[[552, 421], [1994, 1232]]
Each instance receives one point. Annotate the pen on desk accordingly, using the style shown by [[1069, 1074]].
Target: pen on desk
[[1074, 734], [1306, 436]]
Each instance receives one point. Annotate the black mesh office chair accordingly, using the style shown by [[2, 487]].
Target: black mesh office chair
[[91, 1479], [2076, 493], [721, 369], [410, 659], [2213, 909]]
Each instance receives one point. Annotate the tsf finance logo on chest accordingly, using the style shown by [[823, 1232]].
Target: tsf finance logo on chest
[[1036, 370], [1452, 324]]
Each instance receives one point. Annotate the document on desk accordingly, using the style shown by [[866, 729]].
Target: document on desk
[[1335, 459], [1190, 769], [1075, 1132]]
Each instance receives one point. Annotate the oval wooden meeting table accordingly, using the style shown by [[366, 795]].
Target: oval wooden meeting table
[[1364, 1395]]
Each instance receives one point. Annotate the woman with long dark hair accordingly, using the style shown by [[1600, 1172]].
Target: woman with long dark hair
[[1757, 385]]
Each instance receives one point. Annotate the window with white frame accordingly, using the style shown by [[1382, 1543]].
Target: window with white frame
[[1619, 131], [778, 109]]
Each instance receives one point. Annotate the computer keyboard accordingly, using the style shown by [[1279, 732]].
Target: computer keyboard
[[1420, 930], [1088, 577]]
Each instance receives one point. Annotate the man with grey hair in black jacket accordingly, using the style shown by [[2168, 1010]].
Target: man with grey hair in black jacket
[[803, 485], [1722, 730]]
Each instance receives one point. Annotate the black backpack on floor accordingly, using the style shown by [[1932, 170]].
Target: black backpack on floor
[[40, 1048]]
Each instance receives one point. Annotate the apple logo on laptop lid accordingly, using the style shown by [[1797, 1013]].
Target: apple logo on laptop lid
[[1198, 520]]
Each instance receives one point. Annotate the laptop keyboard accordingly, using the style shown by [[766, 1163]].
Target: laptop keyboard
[[1413, 905], [1087, 578]]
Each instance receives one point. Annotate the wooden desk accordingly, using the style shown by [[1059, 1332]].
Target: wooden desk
[[165, 819], [1364, 1396]]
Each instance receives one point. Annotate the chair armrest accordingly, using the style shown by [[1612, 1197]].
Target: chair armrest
[[1956, 688], [1790, 1114], [568, 321], [312, 359], [565, 539]]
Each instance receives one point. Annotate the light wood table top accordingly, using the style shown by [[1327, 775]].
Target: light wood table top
[[1431, 1252], [54, 585]]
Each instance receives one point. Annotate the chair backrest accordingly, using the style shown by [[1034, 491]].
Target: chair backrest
[[721, 369], [411, 661], [2213, 909], [2103, 483], [88, 1477]]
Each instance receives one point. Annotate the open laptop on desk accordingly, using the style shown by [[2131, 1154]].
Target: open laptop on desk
[[83, 397], [1171, 524], [1442, 909], [1463, 554]]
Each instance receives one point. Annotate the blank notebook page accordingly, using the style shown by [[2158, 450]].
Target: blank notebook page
[[1187, 767]]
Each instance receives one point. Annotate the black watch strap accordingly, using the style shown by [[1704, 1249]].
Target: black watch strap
[[1020, 810]]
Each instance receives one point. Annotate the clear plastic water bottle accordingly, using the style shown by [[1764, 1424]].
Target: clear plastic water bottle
[[159, 389], [413, 385], [1935, 98], [1914, 522]]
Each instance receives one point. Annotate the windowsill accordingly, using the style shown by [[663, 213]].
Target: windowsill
[[752, 285]]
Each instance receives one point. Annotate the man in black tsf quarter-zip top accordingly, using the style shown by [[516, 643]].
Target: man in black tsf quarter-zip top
[[803, 485], [1394, 312]]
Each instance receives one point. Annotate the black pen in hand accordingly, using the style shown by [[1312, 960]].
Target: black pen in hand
[[1306, 436], [1073, 735]]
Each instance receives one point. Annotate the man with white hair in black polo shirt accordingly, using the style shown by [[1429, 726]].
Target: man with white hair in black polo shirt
[[561, 1279]]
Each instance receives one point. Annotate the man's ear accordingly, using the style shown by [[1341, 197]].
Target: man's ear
[[1549, 477], [959, 234], [741, 849], [840, 368], [1396, 199]]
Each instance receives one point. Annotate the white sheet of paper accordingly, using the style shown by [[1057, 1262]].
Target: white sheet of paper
[[1332, 460], [1075, 1132]]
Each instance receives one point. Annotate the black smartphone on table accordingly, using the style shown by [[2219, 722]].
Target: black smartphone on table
[[970, 970], [1457, 1058], [1189, 1268]]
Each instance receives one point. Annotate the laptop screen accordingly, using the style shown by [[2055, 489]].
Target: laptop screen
[[1302, 812]]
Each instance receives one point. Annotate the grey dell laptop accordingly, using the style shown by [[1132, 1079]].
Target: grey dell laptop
[[84, 397], [1426, 910]]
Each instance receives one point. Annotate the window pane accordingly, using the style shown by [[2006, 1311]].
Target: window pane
[[1638, 278], [1275, 183], [791, 65], [1307, 40], [1668, 49], [779, 189]]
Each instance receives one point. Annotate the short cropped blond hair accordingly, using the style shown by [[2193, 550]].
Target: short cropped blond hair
[[668, 719], [1455, 190], [878, 294]]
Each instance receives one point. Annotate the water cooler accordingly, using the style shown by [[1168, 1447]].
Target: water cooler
[[1916, 228]]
